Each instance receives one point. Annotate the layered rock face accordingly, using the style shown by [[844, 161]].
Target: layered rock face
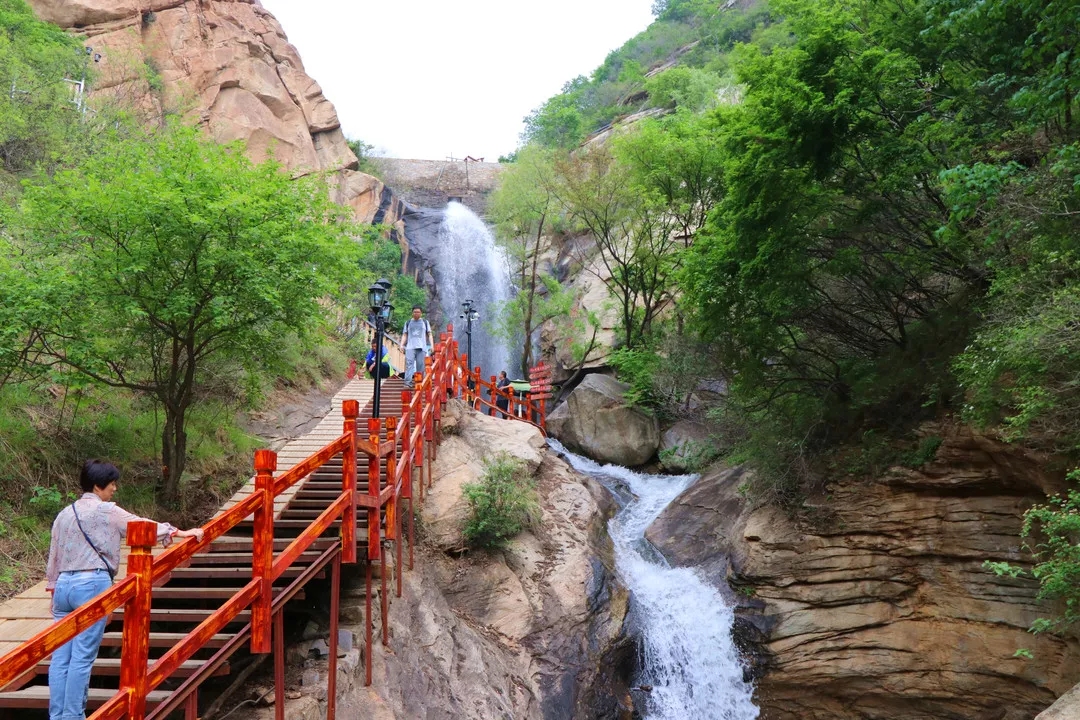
[[227, 65], [596, 421], [532, 632], [876, 604]]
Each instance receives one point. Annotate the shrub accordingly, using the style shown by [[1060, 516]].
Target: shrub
[[502, 503], [1051, 533]]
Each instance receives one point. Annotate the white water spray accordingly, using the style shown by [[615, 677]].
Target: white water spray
[[471, 266], [687, 654]]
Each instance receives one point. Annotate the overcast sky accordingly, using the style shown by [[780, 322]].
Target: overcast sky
[[427, 78]]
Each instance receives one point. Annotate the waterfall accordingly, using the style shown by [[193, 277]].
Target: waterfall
[[684, 624], [469, 265]]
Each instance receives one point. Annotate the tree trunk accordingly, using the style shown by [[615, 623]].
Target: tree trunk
[[173, 454]]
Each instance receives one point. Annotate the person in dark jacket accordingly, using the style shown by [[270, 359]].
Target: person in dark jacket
[[502, 401]]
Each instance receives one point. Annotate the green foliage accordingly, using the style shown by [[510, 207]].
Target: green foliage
[[502, 503], [48, 501], [362, 151], [683, 87], [638, 368], [169, 254], [37, 116], [1051, 532]]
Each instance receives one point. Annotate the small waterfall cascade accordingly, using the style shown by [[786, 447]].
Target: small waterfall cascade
[[684, 624], [471, 266]]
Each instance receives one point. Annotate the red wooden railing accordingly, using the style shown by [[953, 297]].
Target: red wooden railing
[[530, 408], [418, 432]]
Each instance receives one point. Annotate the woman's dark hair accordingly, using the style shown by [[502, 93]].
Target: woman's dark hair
[[97, 474]]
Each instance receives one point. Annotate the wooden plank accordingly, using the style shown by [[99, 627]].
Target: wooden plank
[[166, 639], [186, 615], [111, 667], [37, 696], [237, 573], [202, 593]]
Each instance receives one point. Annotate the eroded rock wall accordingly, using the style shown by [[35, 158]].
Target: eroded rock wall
[[535, 631], [876, 604], [228, 66]]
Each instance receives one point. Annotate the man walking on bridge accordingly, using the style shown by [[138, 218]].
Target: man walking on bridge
[[418, 342]]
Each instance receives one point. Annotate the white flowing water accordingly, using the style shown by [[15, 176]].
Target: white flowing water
[[684, 624], [470, 266]]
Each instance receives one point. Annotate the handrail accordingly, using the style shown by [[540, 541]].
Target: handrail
[[137, 676], [445, 376]]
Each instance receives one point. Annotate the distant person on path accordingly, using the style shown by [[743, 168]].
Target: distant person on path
[[386, 369], [418, 341], [502, 401], [84, 554]]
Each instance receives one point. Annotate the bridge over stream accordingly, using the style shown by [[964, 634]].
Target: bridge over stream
[[343, 493]]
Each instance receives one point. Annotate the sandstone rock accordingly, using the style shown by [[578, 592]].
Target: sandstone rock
[[596, 421], [685, 446], [461, 460], [1067, 707], [876, 604], [228, 66]]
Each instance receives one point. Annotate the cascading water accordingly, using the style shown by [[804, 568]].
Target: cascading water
[[687, 654], [471, 266]]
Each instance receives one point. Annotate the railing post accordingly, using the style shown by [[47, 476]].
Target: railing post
[[493, 394], [407, 457], [262, 549], [391, 470], [373, 491], [349, 409], [135, 645]]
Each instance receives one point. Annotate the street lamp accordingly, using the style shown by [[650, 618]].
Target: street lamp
[[378, 294], [468, 314]]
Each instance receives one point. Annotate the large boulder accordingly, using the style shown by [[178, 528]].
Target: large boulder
[[1066, 708], [597, 421], [686, 446]]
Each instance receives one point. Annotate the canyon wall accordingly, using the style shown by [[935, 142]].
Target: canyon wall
[[873, 601]]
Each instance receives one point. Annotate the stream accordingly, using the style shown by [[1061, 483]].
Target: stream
[[683, 624]]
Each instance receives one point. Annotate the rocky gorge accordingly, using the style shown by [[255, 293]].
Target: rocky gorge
[[873, 602]]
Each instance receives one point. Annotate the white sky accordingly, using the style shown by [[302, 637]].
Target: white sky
[[427, 78]]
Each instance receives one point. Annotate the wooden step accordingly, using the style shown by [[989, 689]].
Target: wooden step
[[201, 593], [236, 543], [166, 639], [234, 572], [37, 696], [111, 666], [184, 615], [241, 558]]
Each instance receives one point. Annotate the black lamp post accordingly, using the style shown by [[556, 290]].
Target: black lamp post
[[380, 308], [468, 313]]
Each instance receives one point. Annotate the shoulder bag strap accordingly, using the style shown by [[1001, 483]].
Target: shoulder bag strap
[[108, 568]]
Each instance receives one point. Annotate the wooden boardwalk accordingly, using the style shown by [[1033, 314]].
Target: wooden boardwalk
[[25, 615]]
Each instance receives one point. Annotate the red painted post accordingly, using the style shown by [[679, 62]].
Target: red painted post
[[391, 470], [191, 705], [262, 549], [135, 644], [367, 626], [407, 458], [384, 601], [350, 409], [373, 492], [493, 394], [335, 598], [279, 665]]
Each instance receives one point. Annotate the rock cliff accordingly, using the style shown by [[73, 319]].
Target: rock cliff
[[228, 66], [875, 603], [532, 632]]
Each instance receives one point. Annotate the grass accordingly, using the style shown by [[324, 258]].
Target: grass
[[48, 430]]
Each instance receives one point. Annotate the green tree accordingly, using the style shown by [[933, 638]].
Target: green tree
[[170, 253], [523, 209], [637, 249], [683, 87], [36, 112]]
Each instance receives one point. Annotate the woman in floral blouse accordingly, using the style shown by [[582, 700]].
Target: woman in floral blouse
[[84, 555]]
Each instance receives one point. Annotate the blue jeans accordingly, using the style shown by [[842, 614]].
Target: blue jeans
[[69, 671], [414, 363]]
